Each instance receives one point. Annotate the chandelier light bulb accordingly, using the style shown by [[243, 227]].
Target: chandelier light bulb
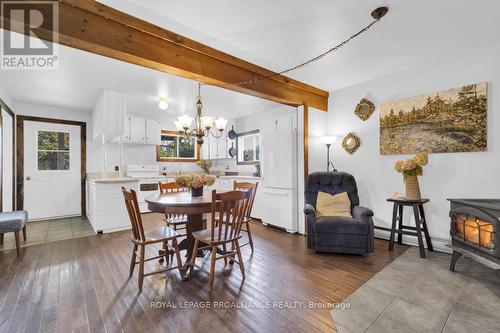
[[178, 126], [162, 104], [185, 121], [207, 122], [220, 123]]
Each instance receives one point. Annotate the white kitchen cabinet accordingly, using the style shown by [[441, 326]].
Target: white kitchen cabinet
[[136, 129], [153, 131], [222, 150], [108, 115], [216, 148], [205, 149], [141, 130], [106, 209], [225, 184]]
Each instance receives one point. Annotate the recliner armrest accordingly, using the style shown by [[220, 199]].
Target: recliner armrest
[[361, 213], [309, 209]]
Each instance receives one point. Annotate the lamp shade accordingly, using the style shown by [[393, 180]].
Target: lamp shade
[[328, 140], [220, 123], [185, 121], [207, 122], [178, 126]]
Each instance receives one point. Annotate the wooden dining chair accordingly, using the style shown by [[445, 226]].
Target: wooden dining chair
[[176, 221], [222, 239], [140, 239], [245, 186]]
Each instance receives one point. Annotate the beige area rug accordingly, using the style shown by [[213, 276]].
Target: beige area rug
[[41, 232], [422, 295]]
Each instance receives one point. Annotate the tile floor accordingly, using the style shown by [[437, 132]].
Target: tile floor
[[41, 232], [422, 295]]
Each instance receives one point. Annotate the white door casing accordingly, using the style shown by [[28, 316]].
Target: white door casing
[[52, 188], [7, 167]]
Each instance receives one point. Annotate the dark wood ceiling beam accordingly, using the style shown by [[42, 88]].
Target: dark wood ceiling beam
[[96, 28]]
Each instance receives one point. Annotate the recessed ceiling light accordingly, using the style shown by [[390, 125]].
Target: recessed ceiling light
[[162, 104]]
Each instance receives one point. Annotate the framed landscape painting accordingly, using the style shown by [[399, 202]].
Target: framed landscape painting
[[447, 121]]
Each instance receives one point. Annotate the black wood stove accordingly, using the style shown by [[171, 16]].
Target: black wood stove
[[475, 224]]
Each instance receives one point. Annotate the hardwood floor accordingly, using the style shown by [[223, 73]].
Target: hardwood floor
[[82, 285], [40, 232]]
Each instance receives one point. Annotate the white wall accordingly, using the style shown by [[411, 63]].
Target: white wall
[[318, 127], [454, 175]]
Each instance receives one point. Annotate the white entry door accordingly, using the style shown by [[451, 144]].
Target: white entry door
[[52, 166]]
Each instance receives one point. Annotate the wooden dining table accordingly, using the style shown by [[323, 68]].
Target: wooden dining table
[[183, 203]]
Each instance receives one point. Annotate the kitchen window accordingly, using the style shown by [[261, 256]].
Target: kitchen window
[[52, 150], [175, 148], [248, 147]]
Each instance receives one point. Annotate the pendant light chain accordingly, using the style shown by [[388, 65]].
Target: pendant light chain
[[203, 124], [377, 14]]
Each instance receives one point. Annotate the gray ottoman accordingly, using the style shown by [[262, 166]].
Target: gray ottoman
[[13, 222]]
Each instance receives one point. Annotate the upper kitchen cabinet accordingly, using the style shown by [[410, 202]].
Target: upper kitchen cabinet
[[108, 115], [153, 131], [136, 129], [142, 130], [217, 148]]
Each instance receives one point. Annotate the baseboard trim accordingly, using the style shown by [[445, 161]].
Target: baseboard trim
[[439, 244]]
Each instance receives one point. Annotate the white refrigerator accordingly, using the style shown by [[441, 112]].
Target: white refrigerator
[[279, 173]]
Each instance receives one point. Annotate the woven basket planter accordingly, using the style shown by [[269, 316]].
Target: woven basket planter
[[412, 188]]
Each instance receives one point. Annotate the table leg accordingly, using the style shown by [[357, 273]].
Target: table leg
[[419, 232], [393, 227], [194, 223], [426, 231]]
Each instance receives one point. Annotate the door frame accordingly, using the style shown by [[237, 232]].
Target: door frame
[[11, 113], [20, 155]]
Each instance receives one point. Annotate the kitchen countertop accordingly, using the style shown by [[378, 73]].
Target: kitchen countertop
[[220, 175], [109, 177], [114, 177], [239, 177]]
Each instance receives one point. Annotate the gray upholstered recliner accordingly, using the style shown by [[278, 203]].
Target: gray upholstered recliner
[[353, 235]]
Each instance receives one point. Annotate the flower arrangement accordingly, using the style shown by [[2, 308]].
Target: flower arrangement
[[205, 165], [412, 166], [195, 181], [411, 169]]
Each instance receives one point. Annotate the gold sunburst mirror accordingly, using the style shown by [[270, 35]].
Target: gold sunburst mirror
[[364, 109], [351, 143]]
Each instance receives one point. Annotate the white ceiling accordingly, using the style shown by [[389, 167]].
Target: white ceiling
[[82, 76], [281, 33], [274, 34]]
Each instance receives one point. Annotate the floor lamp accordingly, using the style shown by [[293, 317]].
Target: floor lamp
[[328, 141]]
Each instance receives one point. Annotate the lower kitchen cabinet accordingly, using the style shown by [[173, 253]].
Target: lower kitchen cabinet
[[106, 207]]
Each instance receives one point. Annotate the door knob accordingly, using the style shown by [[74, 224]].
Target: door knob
[[28, 178]]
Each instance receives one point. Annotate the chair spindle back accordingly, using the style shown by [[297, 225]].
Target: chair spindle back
[[134, 213], [228, 210], [245, 186]]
